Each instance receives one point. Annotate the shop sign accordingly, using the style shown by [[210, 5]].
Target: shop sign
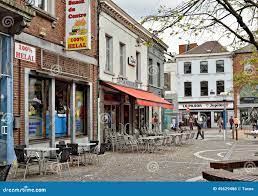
[[25, 52], [193, 106], [132, 61], [128, 83], [78, 33]]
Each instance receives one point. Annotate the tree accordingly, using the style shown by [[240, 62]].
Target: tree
[[226, 17]]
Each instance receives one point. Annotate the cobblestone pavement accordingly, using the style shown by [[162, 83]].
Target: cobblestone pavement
[[182, 163]]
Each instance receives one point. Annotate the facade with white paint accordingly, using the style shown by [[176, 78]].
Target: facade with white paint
[[124, 72], [202, 77]]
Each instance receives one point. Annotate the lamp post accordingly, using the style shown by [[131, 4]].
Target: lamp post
[[224, 95]]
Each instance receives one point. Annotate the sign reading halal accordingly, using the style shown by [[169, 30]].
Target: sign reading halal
[[78, 34]]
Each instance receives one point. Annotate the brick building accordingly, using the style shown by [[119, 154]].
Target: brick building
[[245, 97], [55, 92]]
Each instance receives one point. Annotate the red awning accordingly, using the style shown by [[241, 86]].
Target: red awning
[[143, 98]]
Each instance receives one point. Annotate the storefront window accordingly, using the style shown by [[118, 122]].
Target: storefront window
[[35, 108], [80, 114], [217, 115]]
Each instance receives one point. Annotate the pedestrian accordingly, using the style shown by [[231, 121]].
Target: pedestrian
[[231, 122], [191, 123], [220, 123], [254, 125], [236, 122], [199, 128]]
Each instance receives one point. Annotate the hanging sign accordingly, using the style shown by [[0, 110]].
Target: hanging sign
[[78, 34]]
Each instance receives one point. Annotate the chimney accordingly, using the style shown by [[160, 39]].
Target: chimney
[[186, 47]]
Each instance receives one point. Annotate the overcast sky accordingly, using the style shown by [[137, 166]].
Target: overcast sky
[[140, 8]]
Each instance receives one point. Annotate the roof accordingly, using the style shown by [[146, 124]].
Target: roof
[[209, 47], [122, 14], [247, 49]]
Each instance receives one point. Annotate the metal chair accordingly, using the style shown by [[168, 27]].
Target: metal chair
[[75, 155], [62, 160], [24, 161]]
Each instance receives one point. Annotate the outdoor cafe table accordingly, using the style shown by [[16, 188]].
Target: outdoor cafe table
[[41, 151], [150, 141]]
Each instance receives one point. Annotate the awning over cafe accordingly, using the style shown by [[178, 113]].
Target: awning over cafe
[[143, 98]]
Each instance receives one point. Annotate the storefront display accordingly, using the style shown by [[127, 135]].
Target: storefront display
[[80, 113]]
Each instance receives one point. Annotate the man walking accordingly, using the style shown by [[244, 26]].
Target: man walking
[[231, 122], [199, 128]]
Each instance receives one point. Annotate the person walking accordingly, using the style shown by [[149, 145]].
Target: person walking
[[199, 128], [220, 123], [231, 122], [191, 123]]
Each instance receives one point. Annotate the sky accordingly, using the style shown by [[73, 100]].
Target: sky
[[140, 8]]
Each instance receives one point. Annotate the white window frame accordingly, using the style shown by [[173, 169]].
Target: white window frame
[[122, 55], [109, 53], [49, 6]]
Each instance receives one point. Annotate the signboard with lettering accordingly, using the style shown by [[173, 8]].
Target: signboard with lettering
[[78, 33], [213, 105], [25, 52]]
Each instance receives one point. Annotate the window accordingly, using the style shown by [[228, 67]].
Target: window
[[150, 71], [158, 75], [109, 54], [122, 59], [187, 68], [80, 110], [220, 87], [46, 5], [204, 67], [138, 66], [188, 89], [167, 81], [220, 66], [204, 88]]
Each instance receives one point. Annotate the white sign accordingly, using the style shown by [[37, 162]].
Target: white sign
[[25, 52], [78, 33], [214, 105], [132, 61]]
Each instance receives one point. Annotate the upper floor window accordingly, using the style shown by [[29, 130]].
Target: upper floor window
[[109, 53], [167, 81], [220, 87], [122, 59], [46, 5], [188, 89], [158, 75], [204, 88], [187, 68], [150, 71], [220, 66], [204, 67], [138, 66]]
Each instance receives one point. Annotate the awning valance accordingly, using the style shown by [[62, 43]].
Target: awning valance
[[143, 98]]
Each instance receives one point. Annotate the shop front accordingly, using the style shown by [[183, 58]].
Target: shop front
[[248, 106], [206, 113], [127, 110], [58, 104]]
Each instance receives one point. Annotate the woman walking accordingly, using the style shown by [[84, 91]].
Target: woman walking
[[220, 124]]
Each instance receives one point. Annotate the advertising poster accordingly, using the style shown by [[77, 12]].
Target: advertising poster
[[78, 35]]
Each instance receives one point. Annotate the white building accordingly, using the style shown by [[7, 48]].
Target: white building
[[170, 88], [204, 72], [124, 99]]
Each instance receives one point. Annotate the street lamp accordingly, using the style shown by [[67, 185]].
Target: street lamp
[[224, 95]]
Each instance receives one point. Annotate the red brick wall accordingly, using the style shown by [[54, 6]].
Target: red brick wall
[[183, 48], [56, 36]]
